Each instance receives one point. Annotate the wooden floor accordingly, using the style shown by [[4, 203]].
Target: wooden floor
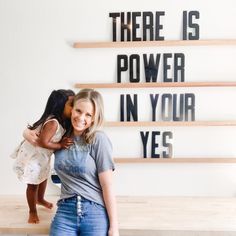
[[139, 216]]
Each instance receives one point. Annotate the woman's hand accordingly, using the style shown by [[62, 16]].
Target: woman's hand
[[113, 232]]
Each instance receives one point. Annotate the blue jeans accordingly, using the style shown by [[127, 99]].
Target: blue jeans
[[77, 216]]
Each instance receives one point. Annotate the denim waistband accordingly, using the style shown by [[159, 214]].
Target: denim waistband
[[75, 199]]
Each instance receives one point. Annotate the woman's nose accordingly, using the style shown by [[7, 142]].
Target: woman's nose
[[81, 116]]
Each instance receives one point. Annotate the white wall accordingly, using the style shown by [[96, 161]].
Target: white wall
[[36, 56]]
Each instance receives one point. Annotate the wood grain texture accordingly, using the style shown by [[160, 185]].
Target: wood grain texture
[[139, 216], [164, 43]]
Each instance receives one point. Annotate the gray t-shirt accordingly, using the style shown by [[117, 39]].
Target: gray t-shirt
[[78, 167]]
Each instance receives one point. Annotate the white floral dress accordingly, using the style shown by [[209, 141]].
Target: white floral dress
[[32, 164]]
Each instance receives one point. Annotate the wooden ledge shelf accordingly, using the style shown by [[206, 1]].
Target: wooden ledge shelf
[[176, 160], [135, 44], [168, 123], [138, 215], [154, 85]]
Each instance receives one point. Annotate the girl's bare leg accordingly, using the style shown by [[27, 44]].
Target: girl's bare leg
[[31, 194], [41, 192]]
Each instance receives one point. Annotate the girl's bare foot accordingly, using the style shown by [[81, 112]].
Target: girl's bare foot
[[33, 218], [45, 203]]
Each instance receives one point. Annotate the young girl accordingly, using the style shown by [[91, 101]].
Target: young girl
[[32, 164]]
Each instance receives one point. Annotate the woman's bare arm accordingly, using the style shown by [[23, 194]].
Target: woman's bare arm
[[106, 181]]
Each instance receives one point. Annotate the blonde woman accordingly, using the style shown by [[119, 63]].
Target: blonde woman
[[87, 205]]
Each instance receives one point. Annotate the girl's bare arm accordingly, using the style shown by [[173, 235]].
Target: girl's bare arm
[[46, 134]]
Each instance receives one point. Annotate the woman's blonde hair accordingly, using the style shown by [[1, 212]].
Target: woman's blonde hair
[[98, 117]]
